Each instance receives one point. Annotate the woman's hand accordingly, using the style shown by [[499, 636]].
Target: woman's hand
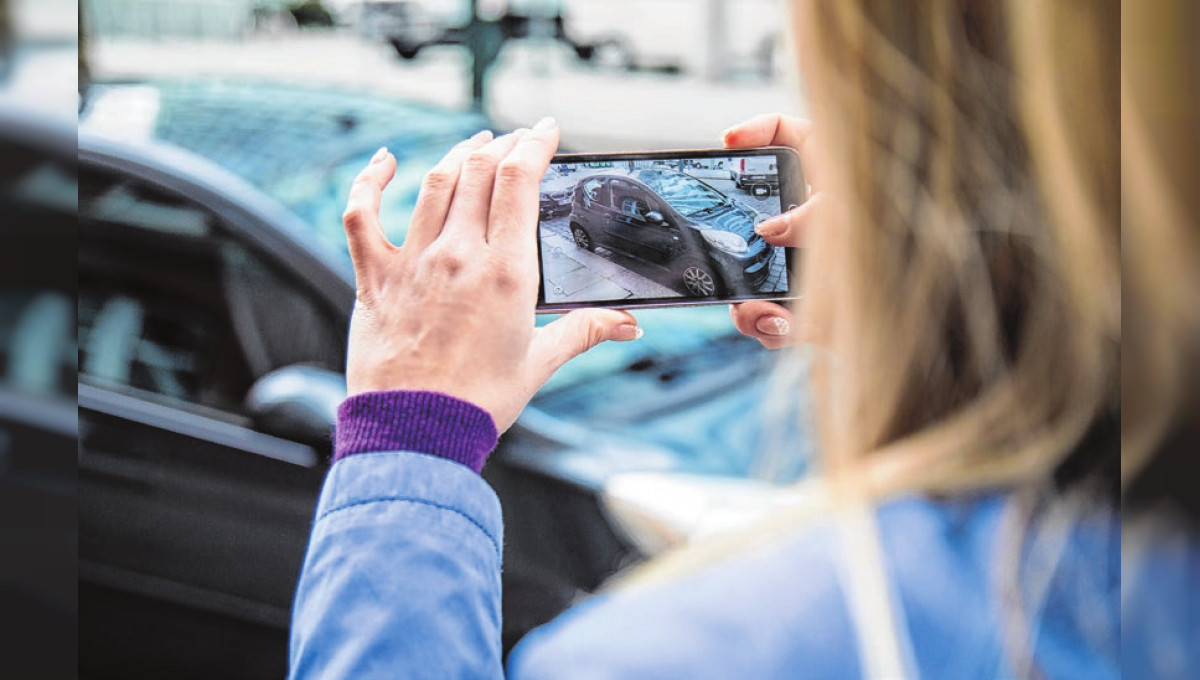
[[772, 324], [452, 310]]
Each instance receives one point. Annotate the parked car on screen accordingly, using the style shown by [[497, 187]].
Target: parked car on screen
[[214, 296], [554, 203], [675, 222], [758, 175]]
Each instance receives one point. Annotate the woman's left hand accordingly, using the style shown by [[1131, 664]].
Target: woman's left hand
[[452, 310]]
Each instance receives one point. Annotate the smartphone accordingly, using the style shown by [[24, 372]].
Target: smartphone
[[664, 228]]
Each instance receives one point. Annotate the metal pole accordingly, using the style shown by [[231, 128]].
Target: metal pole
[[484, 40], [715, 15]]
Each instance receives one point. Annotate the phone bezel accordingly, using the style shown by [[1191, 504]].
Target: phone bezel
[[793, 191]]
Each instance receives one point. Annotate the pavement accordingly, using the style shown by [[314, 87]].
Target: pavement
[[598, 109]]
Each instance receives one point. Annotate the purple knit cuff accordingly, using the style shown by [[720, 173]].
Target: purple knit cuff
[[421, 422]]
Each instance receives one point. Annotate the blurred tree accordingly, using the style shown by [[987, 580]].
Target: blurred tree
[[311, 13]]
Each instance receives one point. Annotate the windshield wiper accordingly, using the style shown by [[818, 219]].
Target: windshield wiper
[[705, 211]]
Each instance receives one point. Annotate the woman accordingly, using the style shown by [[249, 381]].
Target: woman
[[961, 274]]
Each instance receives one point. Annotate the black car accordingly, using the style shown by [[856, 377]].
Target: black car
[[554, 204], [677, 222], [212, 324]]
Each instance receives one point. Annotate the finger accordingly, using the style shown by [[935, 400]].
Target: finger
[[364, 232], [769, 323], [560, 341], [468, 214], [437, 191], [790, 228], [769, 129], [512, 223]]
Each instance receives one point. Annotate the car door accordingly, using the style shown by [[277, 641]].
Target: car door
[[631, 230], [192, 521]]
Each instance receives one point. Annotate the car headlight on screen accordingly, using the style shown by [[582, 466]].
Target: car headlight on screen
[[729, 242]]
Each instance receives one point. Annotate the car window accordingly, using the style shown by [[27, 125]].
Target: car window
[[630, 200], [596, 191], [173, 306], [687, 195]]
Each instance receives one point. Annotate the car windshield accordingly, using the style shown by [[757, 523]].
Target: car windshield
[[686, 194]]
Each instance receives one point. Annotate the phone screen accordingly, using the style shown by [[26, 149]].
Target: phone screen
[[663, 228]]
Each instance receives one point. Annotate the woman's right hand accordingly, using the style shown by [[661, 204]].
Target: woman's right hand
[[774, 325]]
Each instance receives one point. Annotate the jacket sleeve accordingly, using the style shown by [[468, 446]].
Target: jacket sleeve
[[402, 575]]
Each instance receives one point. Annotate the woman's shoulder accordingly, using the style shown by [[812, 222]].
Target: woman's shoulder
[[765, 612]]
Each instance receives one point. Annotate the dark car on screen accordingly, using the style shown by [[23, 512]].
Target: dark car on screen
[[676, 222]]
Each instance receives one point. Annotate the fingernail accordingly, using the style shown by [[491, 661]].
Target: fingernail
[[482, 135], [547, 123], [773, 325], [379, 155], [770, 228], [628, 332]]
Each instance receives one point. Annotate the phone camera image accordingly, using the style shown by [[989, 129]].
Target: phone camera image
[[633, 230]]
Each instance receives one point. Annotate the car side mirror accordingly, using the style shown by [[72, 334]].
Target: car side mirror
[[297, 402], [655, 216]]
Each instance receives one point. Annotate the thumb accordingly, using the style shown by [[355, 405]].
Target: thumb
[[790, 228], [560, 341]]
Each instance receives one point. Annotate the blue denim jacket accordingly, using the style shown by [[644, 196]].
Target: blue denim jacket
[[402, 580]]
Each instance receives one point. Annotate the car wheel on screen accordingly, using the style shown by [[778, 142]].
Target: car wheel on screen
[[582, 239], [700, 281]]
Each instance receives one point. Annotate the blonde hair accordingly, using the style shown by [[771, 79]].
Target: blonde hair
[[965, 267], [973, 254], [1161, 211]]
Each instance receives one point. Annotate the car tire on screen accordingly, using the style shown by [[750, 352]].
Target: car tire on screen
[[700, 280], [582, 238]]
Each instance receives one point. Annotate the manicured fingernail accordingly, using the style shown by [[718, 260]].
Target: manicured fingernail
[[547, 123], [628, 332], [771, 228], [482, 135], [379, 155], [773, 325]]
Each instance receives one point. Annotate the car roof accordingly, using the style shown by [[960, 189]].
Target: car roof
[[260, 219]]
